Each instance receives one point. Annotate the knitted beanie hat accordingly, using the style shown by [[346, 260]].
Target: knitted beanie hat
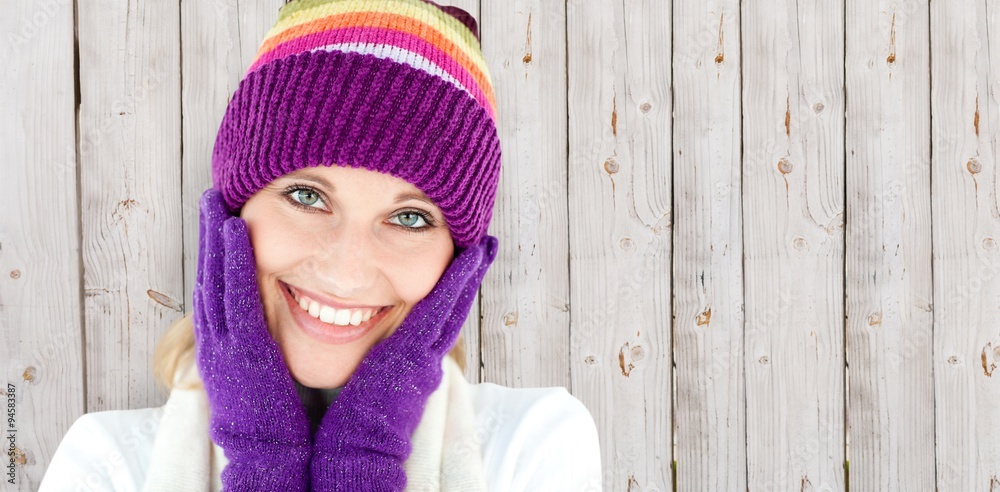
[[395, 86]]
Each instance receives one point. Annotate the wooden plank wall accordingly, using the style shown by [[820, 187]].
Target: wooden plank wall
[[619, 232], [708, 247], [41, 303], [793, 209], [965, 223], [756, 239], [130, 196], [888, 257]]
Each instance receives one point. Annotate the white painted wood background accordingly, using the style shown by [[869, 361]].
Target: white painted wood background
[[709, 209]]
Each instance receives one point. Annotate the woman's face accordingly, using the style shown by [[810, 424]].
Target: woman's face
[[333, 246]]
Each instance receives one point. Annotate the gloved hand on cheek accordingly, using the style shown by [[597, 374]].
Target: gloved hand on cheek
[[256, 415], [364, 438]]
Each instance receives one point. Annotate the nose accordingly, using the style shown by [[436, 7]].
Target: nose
[[342, 263]]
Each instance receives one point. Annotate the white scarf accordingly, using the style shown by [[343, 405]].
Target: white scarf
[[445, 456]]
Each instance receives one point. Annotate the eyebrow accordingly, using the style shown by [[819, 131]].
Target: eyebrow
[[402, 197]]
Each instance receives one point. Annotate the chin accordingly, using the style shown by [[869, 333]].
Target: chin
[[322, 365], [319, 369], [321, 381]]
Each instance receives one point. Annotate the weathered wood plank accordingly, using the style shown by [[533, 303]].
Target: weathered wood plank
[[965, 119], [620, 229], [525, 309], [888, 267], [220, 40], [130, 184], [793, 209], [708, 247], [40, 285]]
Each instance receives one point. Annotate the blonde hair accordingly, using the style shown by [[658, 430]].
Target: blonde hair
[[176, 349]]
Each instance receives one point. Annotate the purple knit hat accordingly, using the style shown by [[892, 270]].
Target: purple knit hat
[[396, 86]]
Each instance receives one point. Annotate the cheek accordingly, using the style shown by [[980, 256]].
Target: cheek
[[276, 252], [278, 247], [415, 277]]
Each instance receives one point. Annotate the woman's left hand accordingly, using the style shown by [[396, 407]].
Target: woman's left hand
[[364, 437]]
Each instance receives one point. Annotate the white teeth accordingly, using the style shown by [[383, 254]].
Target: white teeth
[[356, 317], [327, 314]]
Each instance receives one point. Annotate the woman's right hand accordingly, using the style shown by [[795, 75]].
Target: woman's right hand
[[256, 414]]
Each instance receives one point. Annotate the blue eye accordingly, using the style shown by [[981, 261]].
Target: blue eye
[[305, 196], [410, 218]]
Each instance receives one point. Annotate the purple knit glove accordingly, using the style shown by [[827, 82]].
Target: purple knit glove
[[364, 437], [256, 415]]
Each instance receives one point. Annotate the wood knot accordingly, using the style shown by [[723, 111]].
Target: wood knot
[[626, 366], [990, 357], [164, 300], [637, 353], [704, 317], [18, 457], [611, 166], [784, 165]]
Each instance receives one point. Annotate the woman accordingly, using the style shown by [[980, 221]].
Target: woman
[[340, 249]]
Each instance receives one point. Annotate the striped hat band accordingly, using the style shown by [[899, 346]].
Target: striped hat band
[[414, 32]]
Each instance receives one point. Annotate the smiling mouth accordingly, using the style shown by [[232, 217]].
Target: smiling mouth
[[336, 317], [327, 324]]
